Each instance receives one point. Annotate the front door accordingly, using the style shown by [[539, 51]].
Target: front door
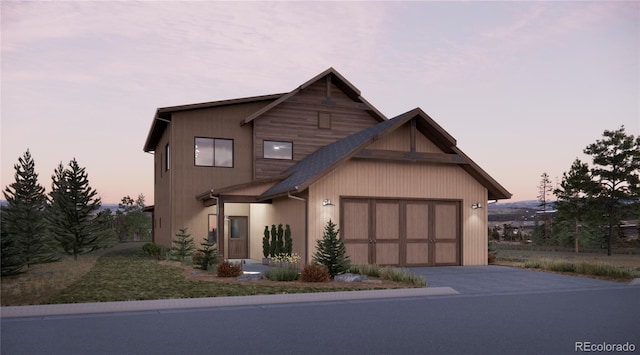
[[238, 237]]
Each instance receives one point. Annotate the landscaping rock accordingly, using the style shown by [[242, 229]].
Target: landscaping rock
[[350, 278]]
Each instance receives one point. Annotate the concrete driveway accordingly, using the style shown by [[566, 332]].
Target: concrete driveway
[[495, 279]]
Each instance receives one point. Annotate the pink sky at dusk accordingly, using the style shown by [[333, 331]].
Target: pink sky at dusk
[[524, 87]]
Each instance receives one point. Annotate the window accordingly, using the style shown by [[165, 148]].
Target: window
[[278, 150], [167, 157], [324, 120], [213, 152]]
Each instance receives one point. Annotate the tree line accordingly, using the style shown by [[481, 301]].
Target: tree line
[[36, 227], [593, 200]]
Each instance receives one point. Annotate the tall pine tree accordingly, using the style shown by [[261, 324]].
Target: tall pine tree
[[616, 160], [72, 211], [23, 219], [331, 251]]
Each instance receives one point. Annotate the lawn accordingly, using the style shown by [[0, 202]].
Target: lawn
[[130, 274], [617, 267]]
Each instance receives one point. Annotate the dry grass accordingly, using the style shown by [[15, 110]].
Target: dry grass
[[617, 267], [43, 281]]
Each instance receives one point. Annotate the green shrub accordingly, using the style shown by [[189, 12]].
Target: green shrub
[[331, 252], [282, 274], [315, 273], [228, 269], [183, 245], [365, 269], [157, 251], [207, 255]]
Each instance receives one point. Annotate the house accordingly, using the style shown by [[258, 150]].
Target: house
[[400, 190]]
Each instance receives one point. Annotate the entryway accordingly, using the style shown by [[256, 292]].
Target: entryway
[[238, 237]]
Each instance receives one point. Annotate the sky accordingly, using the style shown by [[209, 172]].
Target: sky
[[524, 87]]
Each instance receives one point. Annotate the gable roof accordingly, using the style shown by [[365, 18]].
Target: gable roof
[[337, 79], [329, 157], [162, 118]]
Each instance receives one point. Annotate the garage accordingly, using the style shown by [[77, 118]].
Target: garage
[[401, 232]]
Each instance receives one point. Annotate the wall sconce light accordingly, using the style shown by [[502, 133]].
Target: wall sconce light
[[327, 202], [476, 206]]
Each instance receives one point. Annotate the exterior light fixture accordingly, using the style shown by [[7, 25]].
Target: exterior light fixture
[[327, 202], [476, 206]]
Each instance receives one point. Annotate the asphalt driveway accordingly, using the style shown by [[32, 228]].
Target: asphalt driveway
[[493, 279]]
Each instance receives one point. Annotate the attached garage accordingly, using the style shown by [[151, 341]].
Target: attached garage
[[405, 232]]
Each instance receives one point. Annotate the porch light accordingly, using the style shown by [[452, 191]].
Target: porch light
[[476, 206], [327, 202]]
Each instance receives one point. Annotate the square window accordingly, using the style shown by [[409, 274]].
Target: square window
[[278, 150]]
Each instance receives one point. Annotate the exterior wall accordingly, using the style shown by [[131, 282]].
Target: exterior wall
[[162, 232], [175, 196], [403, 180], [296, 120], [285, 211], [400, 140]]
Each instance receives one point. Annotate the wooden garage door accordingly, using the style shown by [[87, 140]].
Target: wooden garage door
[[401, 232]]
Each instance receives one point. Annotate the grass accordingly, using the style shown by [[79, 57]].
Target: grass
[[131, 274], [282, 274], [617, 267], [389, 273]]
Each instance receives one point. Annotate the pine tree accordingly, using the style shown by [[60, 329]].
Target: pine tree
[[183, 245], [266, 248], [209, 254], [11, 261], [73, 209], [616, 160], [288, 242], [331, 252], [274, 241], [23, 217], [544, 191], [573, 196]]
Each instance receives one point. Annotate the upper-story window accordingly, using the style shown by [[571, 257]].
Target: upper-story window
[[278, 150], [213, 152]]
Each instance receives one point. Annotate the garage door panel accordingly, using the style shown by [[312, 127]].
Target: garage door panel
[[446, 253], [387, 254], [417, 221], [358, 253], [387, 220], [355, 223], [417, 253], [446, 221]]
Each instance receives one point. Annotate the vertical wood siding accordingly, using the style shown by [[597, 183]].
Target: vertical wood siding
[[296, 121], [405, 180]]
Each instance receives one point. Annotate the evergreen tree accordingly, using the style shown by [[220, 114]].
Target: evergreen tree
[[73, 209], [209, 254], [274, 241], [288, 242], [266, 248], [11, 261], [616, 160], [331, 252], [280, 241], [544, 192], [183, 245], [132, 223], [573, 197], [23, 218]]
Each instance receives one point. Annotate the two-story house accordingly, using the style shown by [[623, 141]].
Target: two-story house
[[399, 189]]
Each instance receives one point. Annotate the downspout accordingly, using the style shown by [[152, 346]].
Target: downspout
[[306, 223], [220, 230]]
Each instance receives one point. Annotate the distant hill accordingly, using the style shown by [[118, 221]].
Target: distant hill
[[527, 204]]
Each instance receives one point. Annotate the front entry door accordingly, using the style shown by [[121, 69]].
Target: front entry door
[[238, 237]]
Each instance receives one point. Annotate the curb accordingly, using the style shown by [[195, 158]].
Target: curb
[[214, 302]]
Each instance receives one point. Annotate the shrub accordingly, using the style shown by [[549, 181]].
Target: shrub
[[266, 248], [282, 274], [365, 269], [182, 245], [389, 273], [158, 251], [315, 273], [331, 251], [228, 269], [208, 254]]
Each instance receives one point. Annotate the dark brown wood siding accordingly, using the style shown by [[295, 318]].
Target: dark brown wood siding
[[297, 120]]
